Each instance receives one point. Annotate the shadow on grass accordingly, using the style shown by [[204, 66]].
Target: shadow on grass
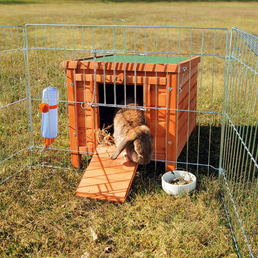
[[203, 148], [199, 155]]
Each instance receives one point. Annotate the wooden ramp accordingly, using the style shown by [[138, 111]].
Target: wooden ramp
[[106, 179]]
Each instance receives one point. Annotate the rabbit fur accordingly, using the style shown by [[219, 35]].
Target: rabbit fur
[[132, 134]]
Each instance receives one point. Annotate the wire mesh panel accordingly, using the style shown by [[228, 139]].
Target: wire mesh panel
[[239, 160], [50, 45], [14, 104], [179, 77]]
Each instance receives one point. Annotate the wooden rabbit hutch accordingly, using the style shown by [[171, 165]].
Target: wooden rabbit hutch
[[169, 89]]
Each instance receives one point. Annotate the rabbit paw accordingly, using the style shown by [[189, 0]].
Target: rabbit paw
[[125, 156]]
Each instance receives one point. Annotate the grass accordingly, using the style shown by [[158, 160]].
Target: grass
[[221, 14], [40, 215]]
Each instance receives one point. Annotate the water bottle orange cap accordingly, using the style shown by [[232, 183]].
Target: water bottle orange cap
[[43, 107]]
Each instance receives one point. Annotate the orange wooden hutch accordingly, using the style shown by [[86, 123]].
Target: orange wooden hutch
[[169, 84]]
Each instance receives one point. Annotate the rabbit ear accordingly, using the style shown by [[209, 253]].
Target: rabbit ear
[[120, 148]]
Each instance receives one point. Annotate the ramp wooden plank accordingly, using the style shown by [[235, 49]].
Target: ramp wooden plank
[[106, 179]]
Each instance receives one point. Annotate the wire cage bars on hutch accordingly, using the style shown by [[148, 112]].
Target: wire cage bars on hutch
[[158, 77], [217, 93]]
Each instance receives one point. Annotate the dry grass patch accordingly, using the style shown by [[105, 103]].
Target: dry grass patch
[[40, 216], [216, 14]]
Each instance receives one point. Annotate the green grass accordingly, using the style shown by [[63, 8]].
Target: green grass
[[39, 213]]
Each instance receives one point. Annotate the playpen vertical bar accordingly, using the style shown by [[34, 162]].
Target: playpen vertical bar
[[125, 101], [65, 87], [224, 128], [225, 91], [156, 101], [114, 62], [145, 85], [7, 67], [20, 88], [168, 89], [21, 96], [95, 98], [84, 87], [231, 106], [65, 84], [56, 82], [54, 39], [135, 68], [211, 108], [189, 101], [145, 72], [37, 62], [104, 66], [13, 78], [199, 124], [77, 159], [177, 97], [94, 84], [47, 84], [28, 95]]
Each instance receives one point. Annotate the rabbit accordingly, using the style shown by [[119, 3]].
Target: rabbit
[[132, 134]]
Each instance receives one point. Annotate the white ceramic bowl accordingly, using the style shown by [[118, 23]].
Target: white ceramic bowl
[[178, 189]]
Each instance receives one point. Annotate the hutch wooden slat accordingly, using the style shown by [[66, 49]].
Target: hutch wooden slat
[[169, 95]]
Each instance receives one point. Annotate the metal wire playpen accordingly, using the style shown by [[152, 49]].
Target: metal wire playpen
[[223, 140]]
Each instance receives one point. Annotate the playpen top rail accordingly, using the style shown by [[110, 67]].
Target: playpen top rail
[[13, 26], [128, 26]]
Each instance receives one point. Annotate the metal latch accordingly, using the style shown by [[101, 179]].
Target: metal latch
[[184, 68]]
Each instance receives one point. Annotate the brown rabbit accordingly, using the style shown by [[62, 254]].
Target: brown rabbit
[[132, 134]]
